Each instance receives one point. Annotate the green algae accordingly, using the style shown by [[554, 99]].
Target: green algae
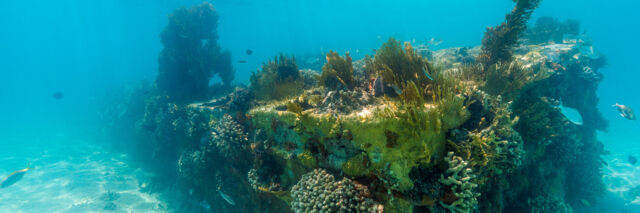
[[337, 72], [416, 140], [278, 79]]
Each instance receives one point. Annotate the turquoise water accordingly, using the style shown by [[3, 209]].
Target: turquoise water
[[87, 49]]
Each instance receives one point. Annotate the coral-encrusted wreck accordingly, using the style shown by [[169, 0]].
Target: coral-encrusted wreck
[[456, 130]]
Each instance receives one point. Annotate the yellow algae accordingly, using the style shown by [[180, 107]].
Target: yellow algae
[[283, 195], [398, 205], [395, 137], [356, 166], [307, 159]]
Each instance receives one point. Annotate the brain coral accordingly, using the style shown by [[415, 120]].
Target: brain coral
[[318, 191]]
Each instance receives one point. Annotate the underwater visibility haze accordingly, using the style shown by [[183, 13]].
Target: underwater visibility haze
[[319, 106]]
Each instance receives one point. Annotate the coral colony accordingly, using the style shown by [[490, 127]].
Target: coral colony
[[475, 129]]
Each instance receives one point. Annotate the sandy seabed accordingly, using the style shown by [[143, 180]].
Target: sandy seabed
[[619, 177], [75, 175], [72, 176]]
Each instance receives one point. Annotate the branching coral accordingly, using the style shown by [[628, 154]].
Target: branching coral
[[228, 137], [496, 148], [225, 141], [278, 79], [492, 148], [459, 177], [318, 191], [266, 173], [191, 54], [337, 72], [193, 164], [498, 42]]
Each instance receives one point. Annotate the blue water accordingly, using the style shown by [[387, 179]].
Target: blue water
[[87, 48]]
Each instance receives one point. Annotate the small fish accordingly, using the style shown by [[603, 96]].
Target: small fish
[[14, 177], [58, 95], [227, 198], [204, 204], [435, 42], [249, 51], [312, 60], [377, 87], [571, 114], [427, 74], [604, 162], [555, 66], [625, 111], [632, 160], [396, 89], [242, 61]]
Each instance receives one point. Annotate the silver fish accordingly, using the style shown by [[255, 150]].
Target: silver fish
[[435, 42], [204, 204], [396, 89], [378, 87], [625, 111], [14, 177], [571, 114], [227, 198], [427, 74]]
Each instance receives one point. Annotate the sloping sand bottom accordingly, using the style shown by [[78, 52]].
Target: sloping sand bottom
[[72, 176], [620, 177]]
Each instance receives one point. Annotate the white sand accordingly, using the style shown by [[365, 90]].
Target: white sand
[[71, 177]]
